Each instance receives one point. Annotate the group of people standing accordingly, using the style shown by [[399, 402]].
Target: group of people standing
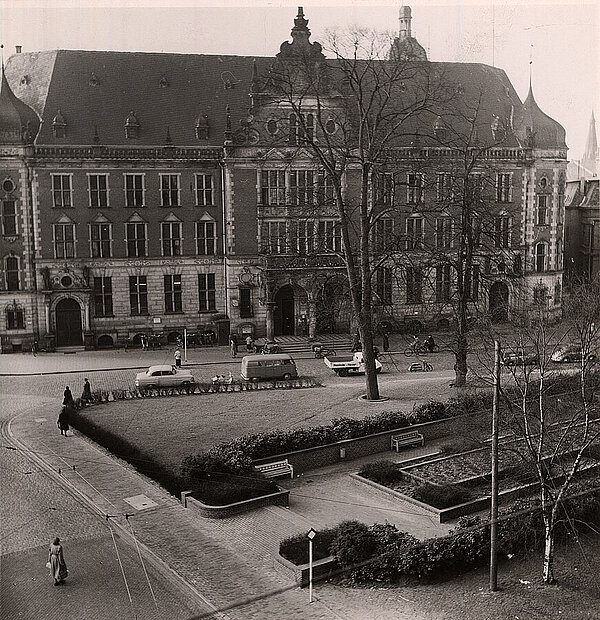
[[68, 406]]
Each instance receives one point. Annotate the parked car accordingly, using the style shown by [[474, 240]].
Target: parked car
[[163, 376], [570, 353], [520, 358], [345, 365]]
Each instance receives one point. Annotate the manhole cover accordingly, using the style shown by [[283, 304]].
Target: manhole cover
[[140, 502]]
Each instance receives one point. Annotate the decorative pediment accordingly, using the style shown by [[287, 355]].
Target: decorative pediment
[[206, 217], [136, 218], [101, 219], [65, 219], [171, 218]]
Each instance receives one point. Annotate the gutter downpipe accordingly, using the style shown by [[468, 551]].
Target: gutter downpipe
[[224, 240]]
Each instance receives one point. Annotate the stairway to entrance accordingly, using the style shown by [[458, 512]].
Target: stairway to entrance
[[301, 344]]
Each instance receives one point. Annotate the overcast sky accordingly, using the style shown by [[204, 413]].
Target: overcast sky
[[561, 38]]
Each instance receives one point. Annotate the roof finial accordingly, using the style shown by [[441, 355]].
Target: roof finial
[[228, 135], [168, 139]]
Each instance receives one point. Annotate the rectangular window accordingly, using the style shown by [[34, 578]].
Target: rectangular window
[[301, 187], [9, 218], [384, 189], [414, 187], [542, 210], [173, 301], [274, 237], [64, 240], [414, 233], [305, 236], [502, 231], [103, 301], [246, 310], [206, 238], [98, 188], [136, 239], [206, 292], [273, 187], [443, 233], [442, 283], [204, 190], [138, 295], [134, 190], [169, 190], [443, 186], [15, 318], [171, 238], [12, 273], [384, 285], [472, 284], [384, 235], [330, 236], [414, 285], [503, 187], [326, 189], [474, 231], [100, 240], [61, 191]]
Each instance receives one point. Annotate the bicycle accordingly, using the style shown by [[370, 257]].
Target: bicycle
[[420, 348], [422, 366], [321, 352]]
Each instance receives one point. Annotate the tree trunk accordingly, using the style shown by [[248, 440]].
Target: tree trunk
[[366, 336], [460, 355], [548, 572]]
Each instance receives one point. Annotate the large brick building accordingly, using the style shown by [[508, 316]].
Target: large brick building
[[144, 193]]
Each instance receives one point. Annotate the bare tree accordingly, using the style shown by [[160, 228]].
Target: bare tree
[[345, 114], [553, 431]]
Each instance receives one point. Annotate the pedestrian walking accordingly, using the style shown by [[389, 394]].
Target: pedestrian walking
[[86, 395], [386, 341], [144, 343], [177, 358], [233, 345], [68, 398], [63, 421], [56, 562], [249, 343]]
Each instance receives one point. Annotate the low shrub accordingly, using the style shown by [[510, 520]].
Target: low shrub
[[441, 496], [220, 490], [295, 548], [382, 472], [353, 544], [458, 445]]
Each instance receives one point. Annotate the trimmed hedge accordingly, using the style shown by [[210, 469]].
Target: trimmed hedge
[[382, 553], [295, 548]]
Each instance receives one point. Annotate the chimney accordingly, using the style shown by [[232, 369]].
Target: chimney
[[18, 48]]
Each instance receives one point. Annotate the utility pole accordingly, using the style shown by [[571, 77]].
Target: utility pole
[[494, 508]]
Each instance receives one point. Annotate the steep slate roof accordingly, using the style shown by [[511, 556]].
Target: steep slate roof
[[100, 89], [15, 116]]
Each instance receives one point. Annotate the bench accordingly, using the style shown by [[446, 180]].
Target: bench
[[276, 469], [407, 439]]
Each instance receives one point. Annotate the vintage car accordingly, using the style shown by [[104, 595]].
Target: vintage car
[[163, 376], [520, 358], [570, 353]]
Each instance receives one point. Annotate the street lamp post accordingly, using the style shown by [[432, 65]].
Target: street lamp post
[[311, 534]]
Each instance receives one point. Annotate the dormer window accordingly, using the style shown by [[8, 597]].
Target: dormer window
[[202, 127], [94, 79], [59, 126], [163, 83], [25, 80], [132, 127], [498, 133], [439, 128]]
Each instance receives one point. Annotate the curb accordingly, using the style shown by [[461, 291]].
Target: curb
[[178, 581]]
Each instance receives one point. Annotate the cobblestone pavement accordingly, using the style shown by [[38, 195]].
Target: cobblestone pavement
[[34, 509]]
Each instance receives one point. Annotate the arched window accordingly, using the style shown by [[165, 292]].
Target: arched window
[[540, 257], [293, 137], [12, 273]]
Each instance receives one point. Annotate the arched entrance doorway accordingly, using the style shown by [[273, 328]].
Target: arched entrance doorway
[[68, 323], [284, 312], [499, 302]]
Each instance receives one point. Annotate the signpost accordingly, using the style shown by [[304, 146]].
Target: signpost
[[311, 534]]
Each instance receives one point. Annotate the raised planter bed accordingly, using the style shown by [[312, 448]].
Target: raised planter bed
[[324, 568], [350, 449], [280, 498]]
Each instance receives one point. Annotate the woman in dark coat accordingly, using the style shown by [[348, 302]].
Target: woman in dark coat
[[58, 566], [68, 397], [63, 421]]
